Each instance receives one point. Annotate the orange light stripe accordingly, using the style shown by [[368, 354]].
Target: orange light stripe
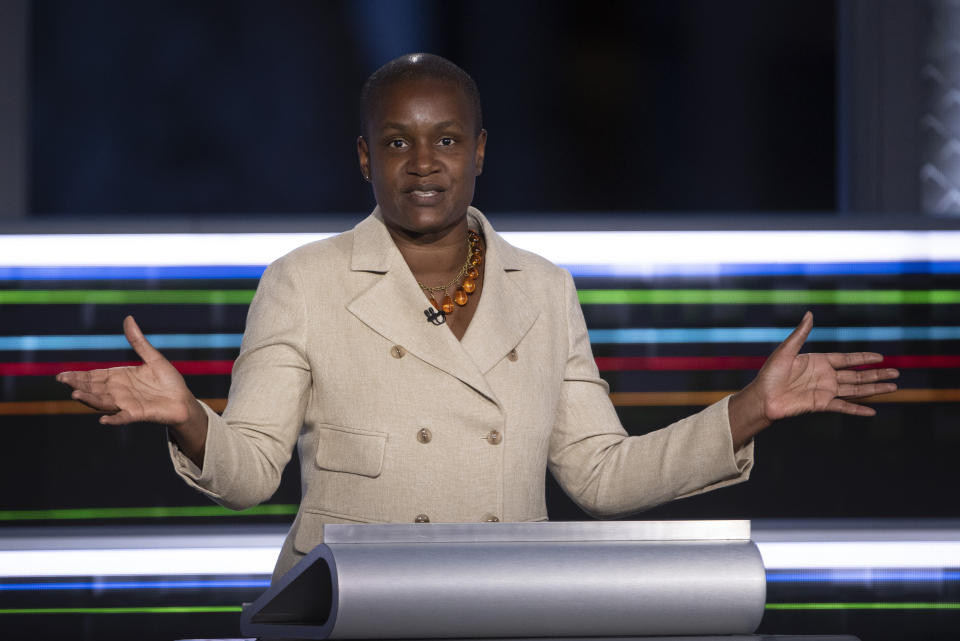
[[36, 408], [657, 399], [620, 399]]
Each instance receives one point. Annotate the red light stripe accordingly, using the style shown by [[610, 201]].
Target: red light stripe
[[52, 369], [715, 363]]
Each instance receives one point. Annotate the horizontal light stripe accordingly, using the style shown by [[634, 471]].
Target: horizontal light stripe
[[587, 297], [771, 334], [166, 512], [677, 399], [239, 560], [172, 609], [106, 250], [138, 562], [791, 555], [605, 363], [126, 296], [734, 270], [38, 408], [767, 297], [118, 341], [187, 368], [96, 586], [620, 399], [648, 270], [865, 576], [913, 605], [624, 335], [134, 272], [719, 363], [626, 249]]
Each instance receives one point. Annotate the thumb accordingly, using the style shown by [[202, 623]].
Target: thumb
[[798, 336], [139, 343]]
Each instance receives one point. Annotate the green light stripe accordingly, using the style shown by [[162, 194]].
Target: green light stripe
[[863, 606], [768, 297], [144, 512], [125, 296], [176, 609]]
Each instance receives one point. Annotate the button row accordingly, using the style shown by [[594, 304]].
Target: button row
[[423, 518], [493, 437], [398, 352]]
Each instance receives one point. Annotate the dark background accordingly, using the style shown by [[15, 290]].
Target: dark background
[[243, 107]]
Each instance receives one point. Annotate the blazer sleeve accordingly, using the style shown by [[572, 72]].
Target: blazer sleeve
[[608, 473], [248, 447]]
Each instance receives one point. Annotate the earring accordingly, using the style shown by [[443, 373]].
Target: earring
[[366, 176]]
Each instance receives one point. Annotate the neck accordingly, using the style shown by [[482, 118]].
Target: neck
[[433, 257]]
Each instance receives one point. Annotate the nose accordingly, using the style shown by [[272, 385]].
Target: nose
[[422, 160]]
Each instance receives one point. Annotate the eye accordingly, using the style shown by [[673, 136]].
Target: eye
[[446, 141], [397, 143]]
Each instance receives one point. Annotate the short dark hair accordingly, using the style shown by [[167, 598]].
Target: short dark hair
[[416, 66]]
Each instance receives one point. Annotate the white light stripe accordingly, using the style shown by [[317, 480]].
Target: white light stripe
[[619, 249], [133, 562], [860, 554], [779, 555]]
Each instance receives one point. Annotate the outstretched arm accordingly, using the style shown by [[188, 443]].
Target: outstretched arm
[[153, 392], [790, 383]]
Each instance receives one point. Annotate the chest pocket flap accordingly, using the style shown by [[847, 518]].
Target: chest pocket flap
[[344, 449]]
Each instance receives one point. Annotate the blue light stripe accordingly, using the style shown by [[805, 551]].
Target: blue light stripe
[[771, 334], [135, 585], [879, 268], [626, 335], [228, 272], [133, 272], [118, 341], [866, 575]]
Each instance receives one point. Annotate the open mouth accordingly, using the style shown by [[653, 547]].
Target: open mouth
[[426, 193]]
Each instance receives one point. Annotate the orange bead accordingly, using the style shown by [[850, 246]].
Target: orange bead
[[475, 260], [468, 286], [473, 273], [460, 297], [433, 301], [447, 305]]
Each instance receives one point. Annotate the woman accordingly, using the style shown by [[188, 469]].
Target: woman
[[429, 371]]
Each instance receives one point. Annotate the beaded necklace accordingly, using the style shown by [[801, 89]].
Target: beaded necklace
[[469, 274]]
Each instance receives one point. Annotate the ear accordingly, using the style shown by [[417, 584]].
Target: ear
[[481, 148], [363, 155]]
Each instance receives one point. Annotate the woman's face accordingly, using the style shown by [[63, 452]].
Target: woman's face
[[422, 155]]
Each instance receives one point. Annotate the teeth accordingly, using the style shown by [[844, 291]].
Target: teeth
[[419, 192]]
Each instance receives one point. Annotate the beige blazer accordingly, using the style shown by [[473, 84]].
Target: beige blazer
[[398, 421]]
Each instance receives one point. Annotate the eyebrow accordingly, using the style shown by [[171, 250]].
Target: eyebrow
[[440, 125]]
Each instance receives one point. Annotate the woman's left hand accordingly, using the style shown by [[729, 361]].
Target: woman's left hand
[[790, 383]]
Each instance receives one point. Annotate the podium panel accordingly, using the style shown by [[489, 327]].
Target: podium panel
[[509, 580]]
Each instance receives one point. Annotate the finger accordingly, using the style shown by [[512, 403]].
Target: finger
[[99, 402], [798, 336], [76, 380], [841, 360], [139, 342], [123, 417], [870, 389], [846, 407], [858, 377]]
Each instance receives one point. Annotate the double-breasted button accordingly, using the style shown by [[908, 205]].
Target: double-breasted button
[[424, 435], [421, 518], [513, 356], [397, 352], [494, 437], [492, 519]]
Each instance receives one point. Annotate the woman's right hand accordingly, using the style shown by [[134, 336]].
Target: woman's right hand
[[153, 392]]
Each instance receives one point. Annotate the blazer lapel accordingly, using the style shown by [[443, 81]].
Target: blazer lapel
[[505, 313], [393, 307]]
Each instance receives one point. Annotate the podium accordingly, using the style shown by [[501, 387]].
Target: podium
[[519, 580]]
